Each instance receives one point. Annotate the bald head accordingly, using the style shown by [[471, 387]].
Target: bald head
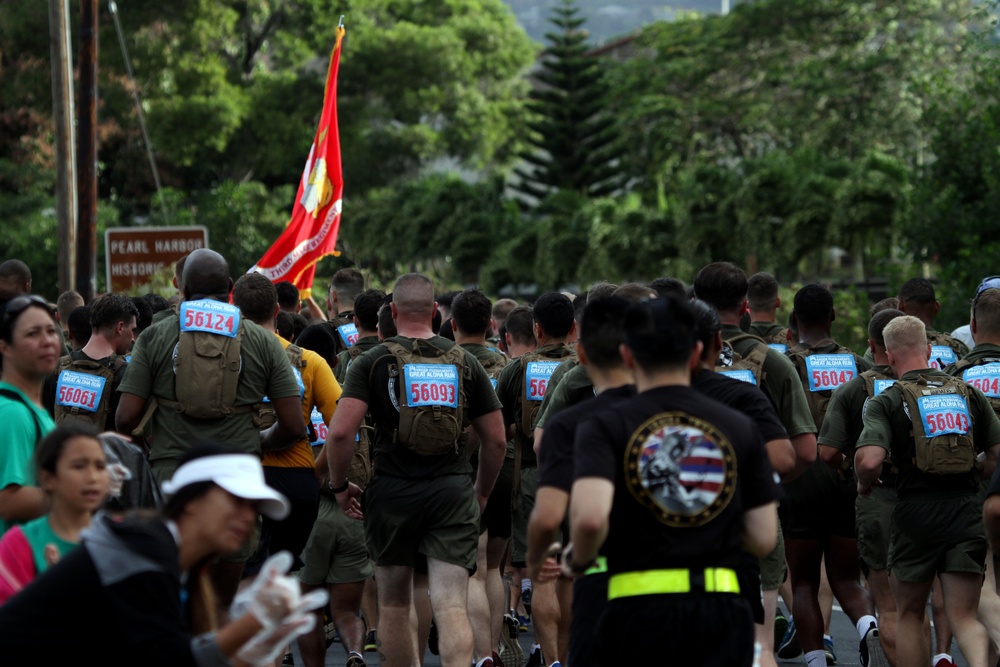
[[206, 274], [413, 296]]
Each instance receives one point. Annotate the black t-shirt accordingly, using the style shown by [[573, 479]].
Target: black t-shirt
[[743, 397], [685, 469], [369, 380], [555, 459]]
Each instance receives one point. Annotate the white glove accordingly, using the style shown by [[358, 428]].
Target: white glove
[[264, 647], [272, 595]]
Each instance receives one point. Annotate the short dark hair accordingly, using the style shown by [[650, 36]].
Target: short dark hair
[[348, 284], [636, 292], [299, 324], [319, 338], [553, 312], [386, 326], [284, 325], [79, 324], [50, 448], [876, 327], [660, 333], [917, 290], [472, 311], [520, 325], [602, 331], [108, 310], [157, 303], [723, 285], [145, 317], [601, 289], [813, 304], [288, 295], [885, 304], [707, 321], [255, 296], [762, 290], [447, 298], [366, 308], [665, 285]]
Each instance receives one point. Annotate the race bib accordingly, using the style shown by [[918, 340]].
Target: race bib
[[536, 378], [743, 375], [942, 356], [431, 384], [829, 371], [944, 414], [319, 426], [79, 390], [210, 316], [985, 378], [882, 385], [348, 333], [778, 347]]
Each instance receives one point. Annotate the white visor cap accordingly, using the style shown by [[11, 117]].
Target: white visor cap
[[239, 474]]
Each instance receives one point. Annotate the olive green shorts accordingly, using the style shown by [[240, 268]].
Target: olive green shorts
[[773, 568], [874, 524], [934, 536], [407, 519], [525, 503], [336, 552]]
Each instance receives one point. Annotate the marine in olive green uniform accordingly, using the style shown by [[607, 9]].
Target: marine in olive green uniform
[[932, 426], [917, 298], [763, 299]]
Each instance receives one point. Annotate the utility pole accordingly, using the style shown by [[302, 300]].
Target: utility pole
[[62, 114], [86, 258]]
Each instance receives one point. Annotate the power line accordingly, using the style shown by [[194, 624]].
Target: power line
[[113, 7]]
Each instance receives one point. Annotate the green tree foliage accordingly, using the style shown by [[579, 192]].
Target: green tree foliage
[[573, 140]]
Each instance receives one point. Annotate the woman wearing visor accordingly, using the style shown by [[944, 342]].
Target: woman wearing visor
[[137, 591]]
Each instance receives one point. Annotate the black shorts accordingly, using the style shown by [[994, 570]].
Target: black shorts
[[653, 629], [748, 574], [498, 514], [301, 488], [590, 599], [819, 504]]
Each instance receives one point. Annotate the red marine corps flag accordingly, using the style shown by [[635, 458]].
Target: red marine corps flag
[[311, 234]]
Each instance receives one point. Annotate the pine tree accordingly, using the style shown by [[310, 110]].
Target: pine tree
[[574, 140]]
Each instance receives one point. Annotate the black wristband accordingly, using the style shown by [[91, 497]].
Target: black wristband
[[340, 489]]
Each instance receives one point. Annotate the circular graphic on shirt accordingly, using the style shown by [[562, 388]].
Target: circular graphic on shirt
[[681, 468]]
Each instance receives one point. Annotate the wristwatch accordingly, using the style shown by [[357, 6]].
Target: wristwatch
[[340, 489]]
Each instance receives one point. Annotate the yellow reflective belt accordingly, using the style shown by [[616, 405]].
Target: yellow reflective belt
[[600, 566], [652, 582]]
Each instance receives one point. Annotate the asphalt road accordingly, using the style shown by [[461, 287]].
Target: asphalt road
[[845, 645]]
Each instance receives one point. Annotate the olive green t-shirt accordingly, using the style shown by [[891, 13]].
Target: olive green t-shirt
[[344, 357], [574, 386], [511, 387], [265, 371], [797, 353], [780, 384], [843, 423], [771, 333], [887, 425], [374, 379]]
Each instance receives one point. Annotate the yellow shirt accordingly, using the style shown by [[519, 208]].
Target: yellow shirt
[[323, 391]]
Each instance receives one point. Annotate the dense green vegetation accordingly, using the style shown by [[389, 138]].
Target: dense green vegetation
[[830, 140]]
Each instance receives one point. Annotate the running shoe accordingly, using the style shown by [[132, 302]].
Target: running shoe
[[831, 657], [526, 600], [780, 626], [356, 660], [945, 662], [872, 654], [790, 646], [535, 658], [371, 642]]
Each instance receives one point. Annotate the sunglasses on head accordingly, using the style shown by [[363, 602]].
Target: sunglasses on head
[[992, 282], [18, 304]]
